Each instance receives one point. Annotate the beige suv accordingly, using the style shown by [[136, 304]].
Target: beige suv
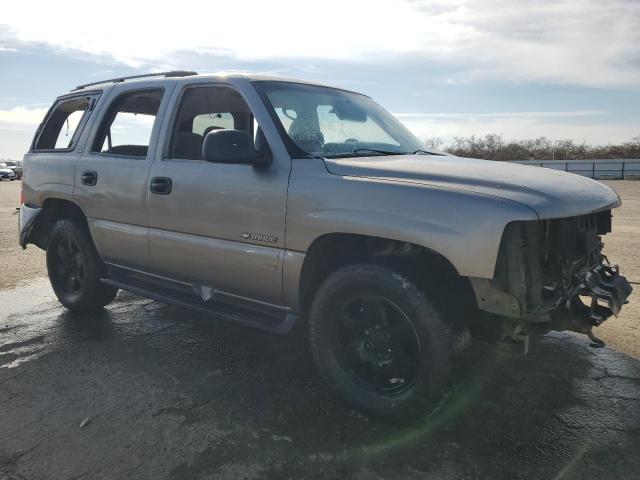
[[263, 201]]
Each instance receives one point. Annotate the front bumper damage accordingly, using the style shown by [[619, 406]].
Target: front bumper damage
[[553, 275], [601, 293]]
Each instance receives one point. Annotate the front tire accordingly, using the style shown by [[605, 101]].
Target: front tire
[[380, 343], [75, 269]]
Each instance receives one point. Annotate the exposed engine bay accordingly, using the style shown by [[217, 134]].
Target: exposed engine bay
[[552, 274]]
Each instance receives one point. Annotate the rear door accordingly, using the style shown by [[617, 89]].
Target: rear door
[[111, 174], [51, 162], [221, 225]]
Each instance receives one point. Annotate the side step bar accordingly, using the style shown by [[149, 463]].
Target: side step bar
[[272, 320]]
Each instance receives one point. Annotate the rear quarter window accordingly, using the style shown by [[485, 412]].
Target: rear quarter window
[[64, 123]]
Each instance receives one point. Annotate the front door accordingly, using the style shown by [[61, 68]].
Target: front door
[[213, 224], [112, 173]]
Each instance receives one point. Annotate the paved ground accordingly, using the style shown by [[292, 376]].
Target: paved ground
[[173, 395], [149, 391]]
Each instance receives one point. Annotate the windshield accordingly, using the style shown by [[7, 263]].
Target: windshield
[[328, 122]]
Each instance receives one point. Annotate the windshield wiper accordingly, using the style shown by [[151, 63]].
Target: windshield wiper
[[426, 152], [354, 153], [381, 152]]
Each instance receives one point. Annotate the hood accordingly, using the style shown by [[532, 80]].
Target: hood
[[551, 193]]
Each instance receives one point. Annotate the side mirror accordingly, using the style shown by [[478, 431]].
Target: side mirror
[[232, 146]]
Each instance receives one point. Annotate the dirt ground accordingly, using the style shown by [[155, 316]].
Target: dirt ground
[[622, 246], [17, 266]]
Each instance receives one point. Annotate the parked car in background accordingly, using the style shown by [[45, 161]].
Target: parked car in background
[[15, 166], [179, 186], [7, 173]]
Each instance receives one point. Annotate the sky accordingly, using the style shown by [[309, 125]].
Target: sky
[[564, 69]]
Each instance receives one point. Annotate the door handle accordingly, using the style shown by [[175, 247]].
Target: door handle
[[160, 185], [89, 177]]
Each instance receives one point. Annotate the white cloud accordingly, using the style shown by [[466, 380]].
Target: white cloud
[[584, 42], [22, 116], [330, 29], [575, 113], [520, 125], [17, 127]]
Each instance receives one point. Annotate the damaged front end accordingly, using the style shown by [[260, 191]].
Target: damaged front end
[[552, 275]]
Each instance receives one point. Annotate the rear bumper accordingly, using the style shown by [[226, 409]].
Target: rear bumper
[[26, 221]]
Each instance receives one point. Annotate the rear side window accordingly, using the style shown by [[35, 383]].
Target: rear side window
[[64, 124], [126, 128]]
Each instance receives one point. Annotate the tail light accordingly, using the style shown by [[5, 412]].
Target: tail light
[[22, 194]]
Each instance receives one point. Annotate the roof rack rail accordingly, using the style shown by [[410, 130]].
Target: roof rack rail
[[173, 73]]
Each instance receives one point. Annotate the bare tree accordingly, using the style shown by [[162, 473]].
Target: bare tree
[[434, 143], [493, 147]]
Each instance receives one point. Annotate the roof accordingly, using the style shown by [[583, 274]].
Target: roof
[[184, 75]]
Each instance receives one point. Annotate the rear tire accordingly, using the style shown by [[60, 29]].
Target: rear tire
[[380, 343], [75, 269]]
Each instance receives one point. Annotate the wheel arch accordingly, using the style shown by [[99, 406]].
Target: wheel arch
[[54, 209], [331, 251]]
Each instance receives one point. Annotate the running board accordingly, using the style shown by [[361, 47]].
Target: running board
[[258, 316]]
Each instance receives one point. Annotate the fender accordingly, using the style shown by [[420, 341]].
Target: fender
[[463, 227]]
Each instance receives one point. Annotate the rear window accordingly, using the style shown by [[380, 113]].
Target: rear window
[[127, 127], [63, 126]]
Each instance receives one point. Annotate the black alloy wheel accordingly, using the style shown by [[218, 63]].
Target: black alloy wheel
[[380, 343], [69, 265], [377, 343], [75, 268]]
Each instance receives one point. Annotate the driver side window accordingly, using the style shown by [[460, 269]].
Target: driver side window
[[203, 110]]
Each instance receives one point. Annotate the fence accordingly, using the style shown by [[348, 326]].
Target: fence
[[598, 169]]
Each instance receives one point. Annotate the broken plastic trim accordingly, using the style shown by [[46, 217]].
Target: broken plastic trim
[[604, 283], [608, 291], [26, 221]]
